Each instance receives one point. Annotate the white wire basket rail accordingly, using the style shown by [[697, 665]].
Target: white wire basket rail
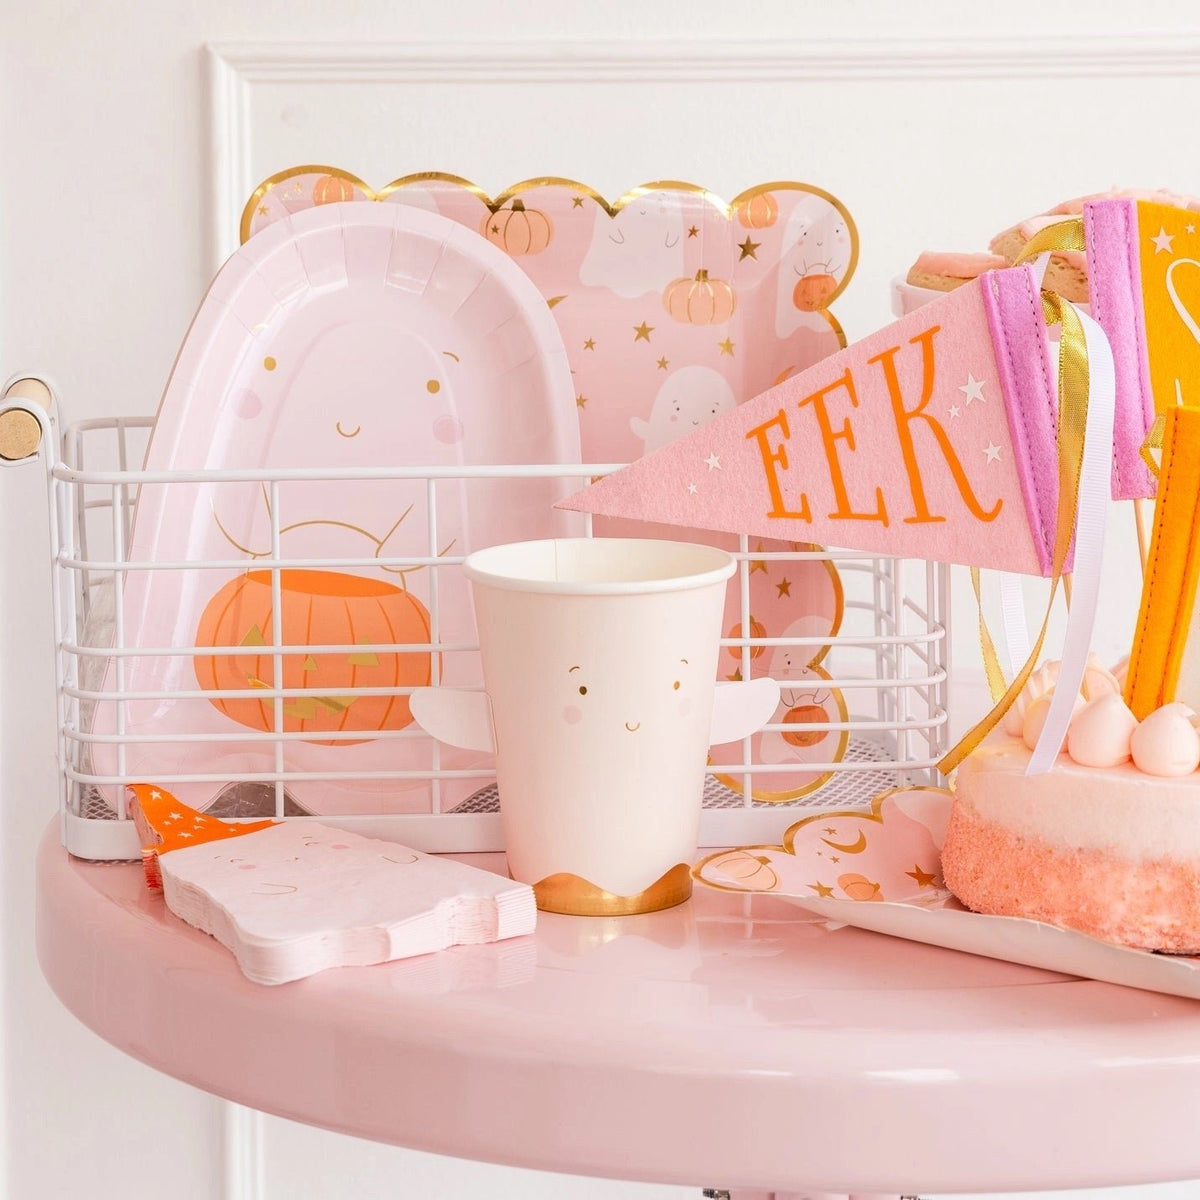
[[888, 660]]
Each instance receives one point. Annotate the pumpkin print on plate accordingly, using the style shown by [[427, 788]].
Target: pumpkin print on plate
[[758, 212], [319, 608], [517, 229], [332, 189], [813, 292], [700, 301]]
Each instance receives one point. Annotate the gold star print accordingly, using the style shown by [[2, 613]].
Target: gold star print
[[576, 201], [784, 587], [758, 564], [749, 249], [642, 332], [495, 228], [834, 858], [829, 831], [262, 210], [581, 401], [736, 677], [692, 231], [824, 892], [590, 344], [726, 347], [663, 364], [924, 878]]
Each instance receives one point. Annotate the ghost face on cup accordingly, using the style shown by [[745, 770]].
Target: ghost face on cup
[[627, 707], [356, 400], [689, 398], [639, 250], [817, 253]]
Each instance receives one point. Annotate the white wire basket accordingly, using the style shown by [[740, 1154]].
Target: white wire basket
[[888, 659]]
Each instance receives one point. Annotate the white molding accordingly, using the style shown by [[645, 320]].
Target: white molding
[[236, 67], [242, 1152]]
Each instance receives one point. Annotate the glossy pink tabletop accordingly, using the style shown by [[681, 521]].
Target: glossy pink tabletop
[[729, 1042]]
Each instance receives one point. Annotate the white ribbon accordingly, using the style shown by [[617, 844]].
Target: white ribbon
[[1095, 484]]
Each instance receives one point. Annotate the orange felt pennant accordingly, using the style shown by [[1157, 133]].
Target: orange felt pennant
[[163, 823], [1172, 569]]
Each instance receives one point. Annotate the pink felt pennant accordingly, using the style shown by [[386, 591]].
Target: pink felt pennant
[[1110, 229], [932, 438]]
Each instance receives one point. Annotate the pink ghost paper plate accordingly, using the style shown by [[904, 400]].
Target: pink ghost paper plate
[[348, 338], [881, 870], [674, 307]]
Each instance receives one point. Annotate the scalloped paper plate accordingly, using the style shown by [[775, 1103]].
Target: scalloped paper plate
[[674, 306], [881, 870], [349, 336]]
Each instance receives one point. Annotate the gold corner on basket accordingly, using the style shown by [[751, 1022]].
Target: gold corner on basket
[[567, 893]]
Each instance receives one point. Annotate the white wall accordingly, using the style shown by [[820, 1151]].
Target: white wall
[[936, 122]]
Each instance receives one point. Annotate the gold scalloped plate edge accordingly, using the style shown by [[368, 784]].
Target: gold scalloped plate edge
[[787, 845], [727, 209]]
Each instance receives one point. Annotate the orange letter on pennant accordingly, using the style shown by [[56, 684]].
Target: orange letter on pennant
[[903, 416], [777, 459], [830, 439]]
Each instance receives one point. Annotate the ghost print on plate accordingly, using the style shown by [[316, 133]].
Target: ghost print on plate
[[674, 307], [357, 338]]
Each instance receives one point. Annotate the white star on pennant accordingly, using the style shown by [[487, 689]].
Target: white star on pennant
[[183, 835], [955, 411], [155, 794], [973, 389], [692, 489], [177, 816], [713, 462], [1163, 241], [1191, 229], [993, 452]]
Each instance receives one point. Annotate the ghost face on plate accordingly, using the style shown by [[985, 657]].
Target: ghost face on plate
[[362, 396], [639, 250], [817, 251], [689, 398]]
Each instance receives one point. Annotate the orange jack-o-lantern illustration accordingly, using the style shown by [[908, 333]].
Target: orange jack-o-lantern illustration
[[332, 189], [700, 301], [518, 230], [759, 212], [757, 630], [805, 714], [813, 291], [750, 871], [318, 608], [859, 887]]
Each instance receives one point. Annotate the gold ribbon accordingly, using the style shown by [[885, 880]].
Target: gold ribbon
[[1072, 421], [1154, 441]]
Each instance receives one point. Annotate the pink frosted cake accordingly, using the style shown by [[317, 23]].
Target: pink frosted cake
[[1107, 842]]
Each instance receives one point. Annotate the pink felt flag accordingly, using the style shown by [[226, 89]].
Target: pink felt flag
[[933, 438]]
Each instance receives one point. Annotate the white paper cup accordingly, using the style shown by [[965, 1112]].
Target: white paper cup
[[600, 659]]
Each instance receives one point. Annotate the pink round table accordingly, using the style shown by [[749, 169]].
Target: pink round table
[[731, 1042]]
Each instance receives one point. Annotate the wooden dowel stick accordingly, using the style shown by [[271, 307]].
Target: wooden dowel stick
[[1141, 518]]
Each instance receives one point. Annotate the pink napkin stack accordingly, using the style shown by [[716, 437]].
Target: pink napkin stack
[[294, 898]]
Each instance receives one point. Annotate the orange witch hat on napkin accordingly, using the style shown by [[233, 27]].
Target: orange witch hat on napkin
[[164, 823]]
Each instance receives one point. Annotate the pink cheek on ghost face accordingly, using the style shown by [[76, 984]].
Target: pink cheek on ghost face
[[685, 707], [572, 714], [448, 430], [248, 405], [247, 867]]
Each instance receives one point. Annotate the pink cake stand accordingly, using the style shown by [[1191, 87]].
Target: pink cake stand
[[733, 1042]]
